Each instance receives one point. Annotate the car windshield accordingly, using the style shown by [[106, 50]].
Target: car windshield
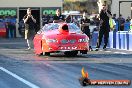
[[54, 26]]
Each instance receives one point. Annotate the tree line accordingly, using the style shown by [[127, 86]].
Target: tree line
[[90, 6]]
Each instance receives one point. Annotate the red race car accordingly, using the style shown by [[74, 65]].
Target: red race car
[[2, 29], [60, 37]]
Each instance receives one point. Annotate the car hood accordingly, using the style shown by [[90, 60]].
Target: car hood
[[58, 34]]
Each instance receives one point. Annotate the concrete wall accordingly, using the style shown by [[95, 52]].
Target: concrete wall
[[30, 3], [125, 7]]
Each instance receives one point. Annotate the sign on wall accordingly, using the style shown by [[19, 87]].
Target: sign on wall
[[50, 10], [8, 11]]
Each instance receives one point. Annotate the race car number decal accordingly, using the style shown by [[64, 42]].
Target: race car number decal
[[68, 48]]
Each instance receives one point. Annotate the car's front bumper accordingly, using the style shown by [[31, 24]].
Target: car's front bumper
[[68, 47]]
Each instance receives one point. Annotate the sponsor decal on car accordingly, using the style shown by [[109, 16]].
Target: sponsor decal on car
[[68, 48]]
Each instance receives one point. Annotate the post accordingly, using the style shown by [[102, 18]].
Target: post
[[131, 18], [131, 10]]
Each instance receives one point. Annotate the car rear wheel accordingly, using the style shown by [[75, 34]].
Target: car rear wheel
[[84, 52], [40, 54], [71, 53]]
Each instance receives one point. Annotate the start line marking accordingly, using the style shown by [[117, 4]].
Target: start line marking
[[116, 52], [19, 78]]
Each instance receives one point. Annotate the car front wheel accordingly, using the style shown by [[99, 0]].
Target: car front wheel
[[46, 53], [71, 53]]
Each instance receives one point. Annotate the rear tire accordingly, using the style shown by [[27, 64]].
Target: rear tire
[[71, 53], [46, 53], [39, 54], [84, 52]]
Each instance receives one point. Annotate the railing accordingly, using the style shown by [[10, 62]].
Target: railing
[[117, 40]]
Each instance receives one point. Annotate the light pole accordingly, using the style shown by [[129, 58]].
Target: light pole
[[131, 18], [131, 10]]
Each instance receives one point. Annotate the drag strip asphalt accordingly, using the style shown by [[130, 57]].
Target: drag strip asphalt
[[31, 85]]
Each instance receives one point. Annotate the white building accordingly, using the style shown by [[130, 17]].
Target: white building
[[122, 7], [39, 7], [117, 7]]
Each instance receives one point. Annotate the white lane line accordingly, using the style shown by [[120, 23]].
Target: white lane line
[[117, 52], [123, 53], [107, 51], [120, 52], [19, 78]]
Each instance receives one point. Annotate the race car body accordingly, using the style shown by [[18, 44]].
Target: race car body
[[60, 37], [2, 29]]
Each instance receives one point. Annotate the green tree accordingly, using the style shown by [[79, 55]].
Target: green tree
[[80, 5]]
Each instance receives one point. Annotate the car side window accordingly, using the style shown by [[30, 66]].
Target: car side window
[[73, 27]]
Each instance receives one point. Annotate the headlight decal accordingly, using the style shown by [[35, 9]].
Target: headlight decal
[[83, 40], [51, 40], [64, 41]]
